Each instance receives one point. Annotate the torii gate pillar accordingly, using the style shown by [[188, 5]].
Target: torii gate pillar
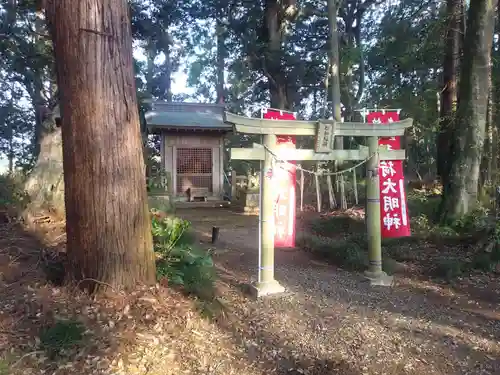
[[324, 131], [267, 284], [374, 273]]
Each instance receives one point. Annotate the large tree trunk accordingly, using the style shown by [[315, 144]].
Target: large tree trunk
[[334, 58], [107, 224], [461, 193], [275, 16], [45, 184], [454, 28]]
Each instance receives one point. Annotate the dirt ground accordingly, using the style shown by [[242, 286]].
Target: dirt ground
[[328, 322], [333, 321]]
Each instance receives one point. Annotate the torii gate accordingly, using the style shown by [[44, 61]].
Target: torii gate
[[324, 131]]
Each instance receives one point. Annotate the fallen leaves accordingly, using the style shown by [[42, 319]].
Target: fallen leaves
[[331, 323]]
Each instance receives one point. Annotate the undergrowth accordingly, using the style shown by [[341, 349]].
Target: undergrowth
[[4, 367], [12, 195], [62, 336], [342, 240], [179, 260]]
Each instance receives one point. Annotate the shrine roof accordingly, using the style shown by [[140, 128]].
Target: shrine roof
[[186, 116]]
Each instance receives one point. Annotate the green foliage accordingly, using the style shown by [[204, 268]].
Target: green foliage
[[476, 220], [421, 204], [488, 258], [484, 258], [424, 209], [158, 182], [342, 240], [189, 267], [12, 195], [450, 268], [4, 367], [348, 253], [180, 261], [26, 75], [471, 225], [169, 232], [337, 225], [161, 204], [62, 336]]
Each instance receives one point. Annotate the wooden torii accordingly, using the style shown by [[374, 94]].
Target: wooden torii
[[324, 131]]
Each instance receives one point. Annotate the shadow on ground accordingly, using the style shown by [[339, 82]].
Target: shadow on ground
[[150, 331], [331, 322], [414, 332], [52, 329], [415, 327]]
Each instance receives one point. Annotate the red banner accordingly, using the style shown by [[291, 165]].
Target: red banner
[[393, 203], [284, 176]]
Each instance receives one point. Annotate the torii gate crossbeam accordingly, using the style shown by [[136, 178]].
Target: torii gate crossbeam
[[324, 131]]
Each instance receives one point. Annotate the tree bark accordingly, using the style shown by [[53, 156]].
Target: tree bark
[[461, 193], [454, 12], [334, 58], [334, 62], [495, 104], [221, 59], [107, 223], [150, 70], [166, 84], [273, 65], [488, 156], [45, 184], [37, 99]]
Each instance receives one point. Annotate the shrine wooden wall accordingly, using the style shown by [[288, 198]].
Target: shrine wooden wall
[[171, 141]]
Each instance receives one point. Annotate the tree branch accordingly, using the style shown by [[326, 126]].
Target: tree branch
[[263, 68]]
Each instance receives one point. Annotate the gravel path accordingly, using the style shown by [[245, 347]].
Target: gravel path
[[332, 322]]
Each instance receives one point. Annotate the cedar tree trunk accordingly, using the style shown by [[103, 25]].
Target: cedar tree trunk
[[107, 223], [454, 29], [461, 192]]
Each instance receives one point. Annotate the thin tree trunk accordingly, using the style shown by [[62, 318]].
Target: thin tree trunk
[[221, 57], [11, 154], [461, 193], [150, 70], [107, 221], [37, 94], [486, 162], [168, 67], [454, 12], [495, 105]]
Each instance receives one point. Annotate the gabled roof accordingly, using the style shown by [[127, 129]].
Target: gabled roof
[[186, 116]]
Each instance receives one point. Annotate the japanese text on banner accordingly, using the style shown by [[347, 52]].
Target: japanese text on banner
[[283, 176], [393, 211]]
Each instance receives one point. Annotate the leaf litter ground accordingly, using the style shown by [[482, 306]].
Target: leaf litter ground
[[329, 321]]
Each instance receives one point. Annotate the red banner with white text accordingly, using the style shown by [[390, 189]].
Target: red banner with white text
[[393, 204], [283, 176]]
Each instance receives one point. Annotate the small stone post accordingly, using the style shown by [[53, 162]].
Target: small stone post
[[373, 229]]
